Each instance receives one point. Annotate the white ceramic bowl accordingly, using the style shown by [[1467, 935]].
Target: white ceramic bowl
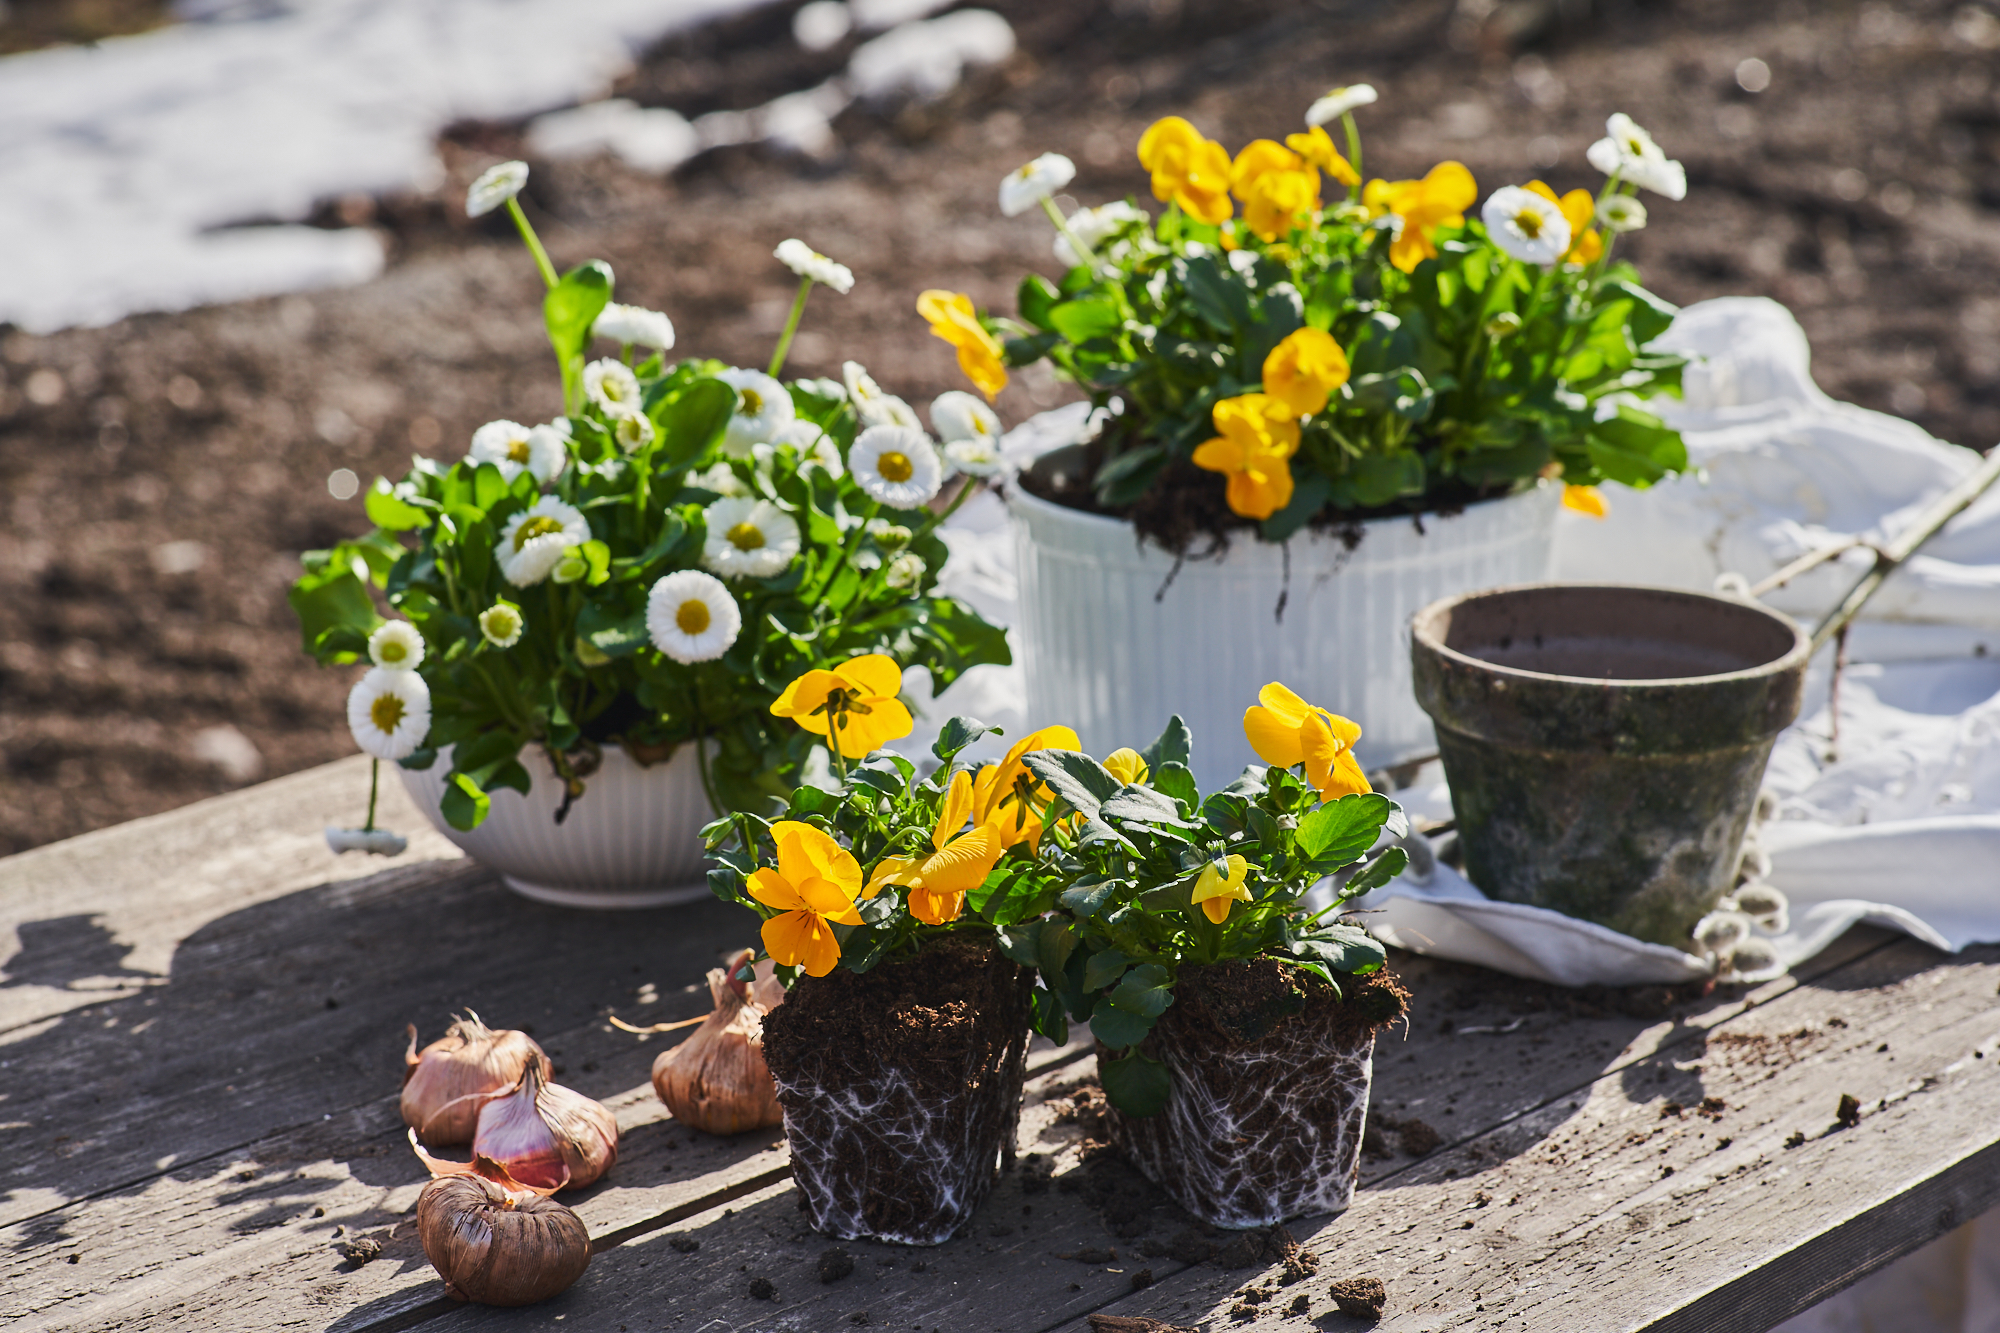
[[631, 840]]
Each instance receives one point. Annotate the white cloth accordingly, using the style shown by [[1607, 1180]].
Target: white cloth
[[1902, 829]]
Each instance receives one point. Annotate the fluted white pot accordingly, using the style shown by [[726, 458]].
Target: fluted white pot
[[1113, 649], [633, 839]]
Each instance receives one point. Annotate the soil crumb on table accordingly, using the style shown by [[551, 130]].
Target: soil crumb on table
[[1360, 1297]]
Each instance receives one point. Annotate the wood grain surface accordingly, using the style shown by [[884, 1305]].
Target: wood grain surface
[[201, 1021]]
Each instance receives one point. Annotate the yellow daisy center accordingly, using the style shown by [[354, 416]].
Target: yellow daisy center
[[517, 451], [1638, 148], [895, 466], [749, 402], [392, 651], [746, 536], [541, 525], [1530, 223], [691, 617], [386, 712]]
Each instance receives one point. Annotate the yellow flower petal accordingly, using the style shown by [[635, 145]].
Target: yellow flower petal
[[1330, 765], [873, 676], [833, 901], [1304, 370], [964, 864], [935, 907], [768, 887], [957, 808], [894, 870], [1218, 909], [1585, 500], [1127, 765], [805, 852], [801, 939]]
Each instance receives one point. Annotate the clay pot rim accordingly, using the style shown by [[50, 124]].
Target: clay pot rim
[[1424, 626]]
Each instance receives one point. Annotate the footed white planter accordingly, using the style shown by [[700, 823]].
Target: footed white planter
[[633, 839], [1109, 653]]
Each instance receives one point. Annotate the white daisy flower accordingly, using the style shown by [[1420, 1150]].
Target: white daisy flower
[[958, 415], [721, 478], [904, 572], [389, 712], [495, 186], [1621, 212], [500, 624], [532, 542], [613, 387], [1094, 226], [896, 466], [807, 262], [691, 617], [825, 388], [762, 405], [1628, 152], [1026, 186], [611, 469], [396, 645], [1338, 103], [514, 449], [749, 538], [1525, 225], [862, 390], [634, 325], [975, 458], [633, 433], [816, 448], [889, 536]]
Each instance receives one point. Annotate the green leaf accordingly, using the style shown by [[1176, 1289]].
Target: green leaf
[[1080, 321], [1176, 781], [387, 512], [1308, 498], [1054, 944], [1143, 805], [1104, 968], [1636, 447], [956, 734], [1217, 293], [1048, 1019], [611, 629], [1377, 873], [1022, 943], [1126, 477], [1146, 990], [1087, 897], [692, 421], [1118, 1028], [1376, 479], [465, 806], [1035, 299], [810, 800], [333, 599], [489, 488], [1341, 830], [1074, 776], [1175, 745], [1137, 1085], [1650, 315], [569, 309], [1342, 947], [1226, 812]]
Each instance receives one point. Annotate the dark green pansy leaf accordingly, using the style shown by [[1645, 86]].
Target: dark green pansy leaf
[[1309, 496], [1118, 1028], [1104, 968], [1377, 873], [1076, 777], [611, 629], [1649, 315], [1341, 830], [956, 734], [1175, 745], [1226, 812], [1054, 944], [1145, 990], [1342, 947], [1088, 897], [1022, 943], [1176, 781], [1143, 805], [1376, 479], [1137, 1085]]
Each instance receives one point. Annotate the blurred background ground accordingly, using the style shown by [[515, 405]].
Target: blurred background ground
[[158, 477]]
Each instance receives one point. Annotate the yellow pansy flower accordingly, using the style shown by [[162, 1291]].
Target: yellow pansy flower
[[1438, 200], [1317, 148], [1254, 450], [957, 864], [1187, 169], [1304, 369], [1286, 731], [1006, 796], [1127, 765], [953, 319], [1215, 891], [1578, 208], [1585, 500], [813, 887], [855, 702], [1279, 189]]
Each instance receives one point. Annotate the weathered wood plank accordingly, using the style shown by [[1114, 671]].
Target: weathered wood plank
[[1604, 1210]]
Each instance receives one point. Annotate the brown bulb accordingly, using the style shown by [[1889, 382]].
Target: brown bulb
[[446, 1084], [717, 1080], [499, 1246]]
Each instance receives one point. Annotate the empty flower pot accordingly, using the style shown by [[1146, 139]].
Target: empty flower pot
[[1604, 743]]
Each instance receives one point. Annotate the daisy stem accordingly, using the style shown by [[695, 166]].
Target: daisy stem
[[791, 327], [1084, 252], [374, 787], [847, 551], [701, 751], [1353, 149], [533, 242]]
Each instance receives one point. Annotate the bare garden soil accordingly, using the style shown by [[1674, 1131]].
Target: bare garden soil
[[159, 477]]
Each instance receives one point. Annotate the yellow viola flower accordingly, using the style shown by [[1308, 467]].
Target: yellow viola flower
[[1279, 189], [1006, 796], [1316, 147], [1127, 765], [1578, 207], [813, 887], [1304, 370], [1215, 892], [1259, 437], [1438, 200], [854, 705], [1286, 731], [1585, 500], [958, 863], [1187, 169], [953, 319]]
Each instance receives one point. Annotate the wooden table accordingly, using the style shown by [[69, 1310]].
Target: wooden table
[[201, 1043]]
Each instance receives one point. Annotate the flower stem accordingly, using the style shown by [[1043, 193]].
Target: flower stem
[[1084, 253], [532, 241], [1353, 150], [791, 326], [374, 788]]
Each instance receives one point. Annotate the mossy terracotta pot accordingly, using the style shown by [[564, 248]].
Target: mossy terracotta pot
[[1605, 743]]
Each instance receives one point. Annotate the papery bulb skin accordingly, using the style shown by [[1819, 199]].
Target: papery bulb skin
[[547, 1136], [494, 1247], [717, 1080], [446, 1084]]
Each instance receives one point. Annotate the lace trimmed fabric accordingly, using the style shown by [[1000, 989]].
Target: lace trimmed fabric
[[1254, 1133]]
